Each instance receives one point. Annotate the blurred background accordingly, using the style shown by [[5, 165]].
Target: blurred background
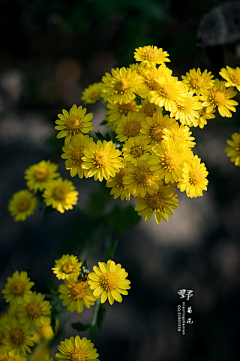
[[49, 52]]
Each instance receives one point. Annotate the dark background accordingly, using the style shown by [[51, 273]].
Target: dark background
[[49, 52]]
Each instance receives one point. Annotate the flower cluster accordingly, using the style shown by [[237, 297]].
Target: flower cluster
[[44, 186]]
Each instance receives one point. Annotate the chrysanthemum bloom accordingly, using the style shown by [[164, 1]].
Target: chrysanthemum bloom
[[170, 91], [73, 122], [17, 288], [152, 79], [76, 294], [232, 76], [233, 151], [140, 179], [152, 128], [109, 281], [102, 160], [136, 148], [198, 82], [151, 55], [18, 336], [179, 133], [77, 349], [37, 175], [160, 203], [35, 310], [218, 96], [68, 266], [187, 110], [121, 86], [92, 93], [193, 179], [129, 126], [60, 194], [45, 332], [42, 353], [22, 205], [73, 153], [204, 117], [11, 356], [168, 159], [115, 111], [148, 109], [116, 183]]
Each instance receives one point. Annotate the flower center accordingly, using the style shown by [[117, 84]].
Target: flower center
[[16, 336], [77, 290], [59, 193], [156, 132], [23, 204], [76, 155], [155, 201], [195, 176], [152, 84], [150, 54], [150, 109], [68, 267], [76, 355], [95, 95], [218, 98], [74, 124], [109, 281], [196, 82], [100, 159], [143, 176], [235, 79], [17, 288], [124, 109], [119, 178], [1, 338], [137, 151], [169, 161], [33, 310], [41, 174], [131, 128], [121, 86]]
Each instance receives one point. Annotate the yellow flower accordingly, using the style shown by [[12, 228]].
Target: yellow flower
[[140, 179], [198, 82], [136, 148], [44, 332], [167, 160], [160, 203], [35, 310], [204, 116], [73, 153], [115, 111], [77, 349], [42, 353], [218, 96], [17, 288], [22, 205], [120, 87], [233, 151], [187, 110], [18, 336], [109, 281], [38, 175], [92, 93], [232, 76], [129, 126], [116, 183], [193, 179], [74, 122], [60, 194], [76, 294], [102, 160], [68, 266], [148, 109], [11, 356], [152, 128], [179, 133], [150, 54]]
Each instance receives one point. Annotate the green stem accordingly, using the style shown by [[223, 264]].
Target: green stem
[[95, 314], [102, 103]]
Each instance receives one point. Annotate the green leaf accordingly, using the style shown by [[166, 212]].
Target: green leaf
[[92, 333], [101, 314], [122, 218], [138, 100], [111, 250], [102, 137], [52, 288], [80, 326]]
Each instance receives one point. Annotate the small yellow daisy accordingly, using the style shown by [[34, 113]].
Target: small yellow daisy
[[233, 151], [102, 160], [116, 183], [129, 126], [77, 349], [160, 203], [148, 109], [153, 128], [187, 110], [151, 55], [68, 266], [198, 82], [76, 294], [18, 336], [73, 122], [45, 332], [201, 121], [22, 205], [60, 194], [115, 111], [17, 288], [92, 93], [11, 356], [232, 76], [136, 148], [108, 281], [38, 175]]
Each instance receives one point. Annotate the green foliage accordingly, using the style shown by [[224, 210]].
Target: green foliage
[[122, 219]]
